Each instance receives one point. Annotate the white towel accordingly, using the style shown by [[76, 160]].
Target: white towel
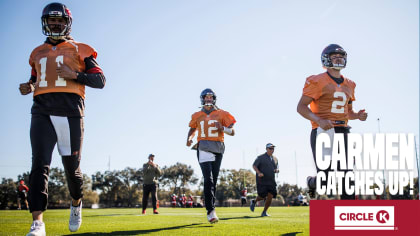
[[204, 156]]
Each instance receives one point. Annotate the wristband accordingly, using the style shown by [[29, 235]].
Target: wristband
[[227, 130]]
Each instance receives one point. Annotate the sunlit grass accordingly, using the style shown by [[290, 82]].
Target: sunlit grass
[[233, 221]]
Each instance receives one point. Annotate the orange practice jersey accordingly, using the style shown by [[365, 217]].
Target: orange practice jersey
[[45, 59], [330, 100], [205, 124]]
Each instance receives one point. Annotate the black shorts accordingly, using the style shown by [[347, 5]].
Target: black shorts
[[263, 190], [22, 196]]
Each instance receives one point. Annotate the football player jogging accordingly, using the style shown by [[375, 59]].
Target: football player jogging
[[330, 96], [61, 68], [211, 123]]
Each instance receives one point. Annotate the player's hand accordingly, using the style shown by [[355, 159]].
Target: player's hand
[[219, 126], [26, 88], [66, 72], [325, 124], [362, 115], [260, 175], [189, 142]]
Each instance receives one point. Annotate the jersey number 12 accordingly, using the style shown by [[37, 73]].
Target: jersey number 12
[[210, 132]]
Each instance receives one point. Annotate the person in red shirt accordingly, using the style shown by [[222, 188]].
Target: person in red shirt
[[244, 193], [190, 201], [184, 200], [330, 96], [173, 200], [22, 194]]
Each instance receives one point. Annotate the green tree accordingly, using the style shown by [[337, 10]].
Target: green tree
[[289, 192], [178, 178], [222, 188], [109, 185], [231, 182], [58, 193], [89, 197], [131, 185], [8, 193], [24, 177], [238, 180]]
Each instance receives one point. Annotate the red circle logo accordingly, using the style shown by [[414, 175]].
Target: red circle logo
[[382, 216]]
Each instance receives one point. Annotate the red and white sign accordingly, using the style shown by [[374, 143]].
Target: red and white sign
[[364, 217]]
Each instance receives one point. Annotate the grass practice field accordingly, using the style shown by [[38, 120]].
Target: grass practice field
[[288, 221]]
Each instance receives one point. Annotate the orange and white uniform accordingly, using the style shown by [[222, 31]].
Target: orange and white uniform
[[330, 100], [205, 124], [45, 59]]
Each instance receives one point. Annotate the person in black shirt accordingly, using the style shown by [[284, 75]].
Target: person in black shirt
[[61, 68], [265, 166]]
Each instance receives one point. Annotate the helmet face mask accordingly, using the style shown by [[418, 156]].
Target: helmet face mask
[[207, 102], [52, 26], [335, 63]]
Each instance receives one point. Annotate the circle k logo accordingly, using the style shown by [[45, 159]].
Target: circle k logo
[[382, 216], [364, 217]]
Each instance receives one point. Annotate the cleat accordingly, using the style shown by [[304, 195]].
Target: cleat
[[143, 212], [75, 217], [212, 217], [252, 205], [155, 212], [264, 214], [37, 229]]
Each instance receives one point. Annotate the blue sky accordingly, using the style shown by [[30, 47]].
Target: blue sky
[[158, 56]]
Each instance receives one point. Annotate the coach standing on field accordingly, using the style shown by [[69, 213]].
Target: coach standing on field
[[151, 173], [265, 166]]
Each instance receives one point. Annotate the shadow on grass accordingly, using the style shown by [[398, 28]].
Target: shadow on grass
[[291, 234], [112, 215], [145, 231], [240, 217]]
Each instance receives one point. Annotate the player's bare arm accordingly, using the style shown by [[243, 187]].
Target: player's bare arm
[[191, 134], [303, 110], [26, 88], [258, 172], [66, 72], [360, 115]]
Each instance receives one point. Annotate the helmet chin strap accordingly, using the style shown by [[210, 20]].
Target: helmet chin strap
[[338, 66], [57, 37]]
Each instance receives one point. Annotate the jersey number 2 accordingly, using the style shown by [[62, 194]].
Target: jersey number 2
[[210, 132], [339, 103], [43, 62]]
